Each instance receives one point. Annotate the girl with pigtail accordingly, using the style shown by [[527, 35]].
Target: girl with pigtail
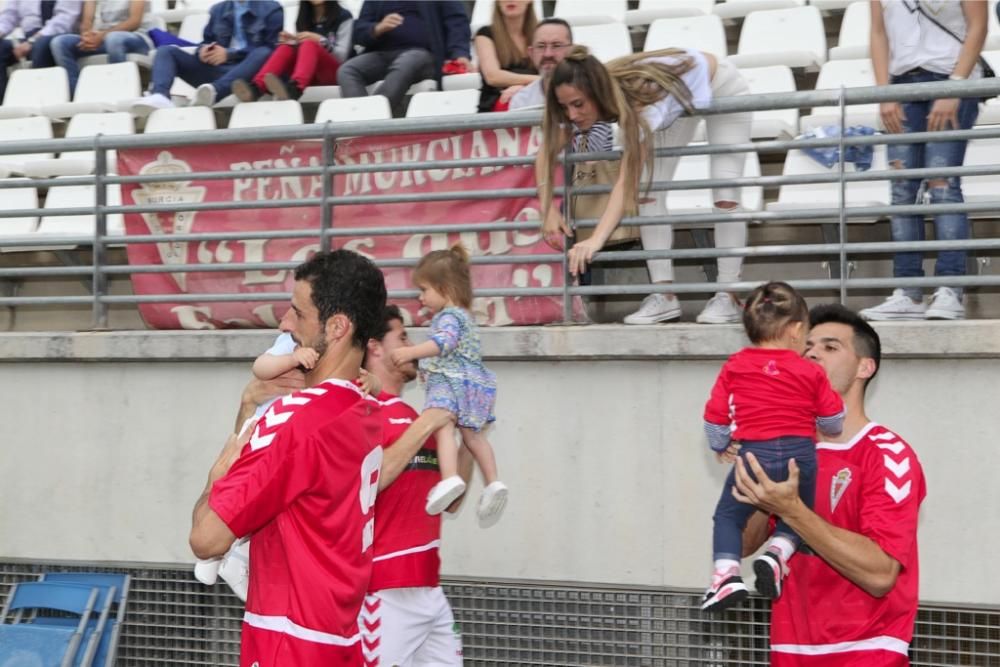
[[451, 364], [646, 94]]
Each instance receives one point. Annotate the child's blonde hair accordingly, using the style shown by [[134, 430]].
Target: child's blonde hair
[[770, 308], [447, 271]]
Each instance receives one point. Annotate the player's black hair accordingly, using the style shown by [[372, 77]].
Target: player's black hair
[[347, 283], [390, 313], [866, 340]]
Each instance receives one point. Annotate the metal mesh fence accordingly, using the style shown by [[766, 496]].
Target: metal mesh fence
[[174, 620]]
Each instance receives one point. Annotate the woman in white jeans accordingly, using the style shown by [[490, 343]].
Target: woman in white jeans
[[646, 93]]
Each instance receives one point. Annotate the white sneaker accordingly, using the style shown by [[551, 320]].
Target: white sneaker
[[656, 308], [720, 309], [235, 571], [147, 104], [207, 571], [204, 96], [896, 307], [444, 494], [945, 305], [491, 504]]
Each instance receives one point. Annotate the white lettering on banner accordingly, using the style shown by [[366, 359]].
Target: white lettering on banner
[[266, 314], [193, 317], [253, 253], [287, 187], [357, 244]]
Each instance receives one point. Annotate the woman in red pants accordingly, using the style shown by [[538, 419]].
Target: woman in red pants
[[309, 57]]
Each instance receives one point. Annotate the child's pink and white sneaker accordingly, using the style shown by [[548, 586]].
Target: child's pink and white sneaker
[[727, 590], [770, 569]]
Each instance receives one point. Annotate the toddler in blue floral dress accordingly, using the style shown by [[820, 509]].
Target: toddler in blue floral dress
[[451, 364]]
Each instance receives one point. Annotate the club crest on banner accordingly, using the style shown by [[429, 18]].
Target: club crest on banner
[[175, 193]]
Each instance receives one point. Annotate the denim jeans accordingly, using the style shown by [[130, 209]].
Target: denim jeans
[[398, 69], [171, 61], [117, 45], [947, 226], [731, 515]]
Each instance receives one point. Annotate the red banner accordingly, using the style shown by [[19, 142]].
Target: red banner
[[410, 148]]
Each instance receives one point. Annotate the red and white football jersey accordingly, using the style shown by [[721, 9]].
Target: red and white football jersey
[[305, 488], [872, 485], [406, 537]]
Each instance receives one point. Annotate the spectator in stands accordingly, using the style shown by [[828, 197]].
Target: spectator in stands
[[114, 27], [40, 22], [315, 468], [549, 44], [646, 93], [311, 56], [908, 45], [502, 50], [238, 40], [404, 42]]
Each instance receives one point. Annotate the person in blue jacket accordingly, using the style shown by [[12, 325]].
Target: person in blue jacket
[[404, 42], [238, 40]]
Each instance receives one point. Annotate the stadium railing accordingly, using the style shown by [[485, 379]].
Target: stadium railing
[[839, 252]]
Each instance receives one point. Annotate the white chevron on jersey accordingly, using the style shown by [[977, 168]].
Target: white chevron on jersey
[[400, 420], [281, 411], [897, 468], [883, 436], [898, 493], [894, 447], [370, 624]]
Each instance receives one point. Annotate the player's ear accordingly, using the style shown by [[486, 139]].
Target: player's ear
[[866, 368], [374, 348], [338, 326]]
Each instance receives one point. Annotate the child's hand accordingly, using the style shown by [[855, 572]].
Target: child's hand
[[306, 356], [369, 384], [730, 454], [401, 356]]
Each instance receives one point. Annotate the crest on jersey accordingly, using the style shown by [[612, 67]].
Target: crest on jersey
[[838, 485]]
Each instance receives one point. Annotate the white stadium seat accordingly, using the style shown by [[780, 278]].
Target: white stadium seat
[[651, 10], [850, 74], [705, 33], [30, 90], [482, 13], [738, 9], [979, 153], [76, 196], [193, 27], [606, 41], [347, 109], [101, 88], [590, 12], [184, 8], [794, 37], [855, 29], [266, 114], [992, 28], [180, 119], [467, 81], [16, 129], [81, 163], [697, 167], [776, 122], [18, 199], [827, 195], [443, 103], [836, 5], [989, 113]]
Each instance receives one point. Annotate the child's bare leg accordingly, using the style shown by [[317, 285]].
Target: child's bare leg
[[447, 451], [451, 485], [482, 451]]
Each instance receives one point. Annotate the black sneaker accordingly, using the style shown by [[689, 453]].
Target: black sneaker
[[245, 91], [769, 569], [282, 90], [727, 590]]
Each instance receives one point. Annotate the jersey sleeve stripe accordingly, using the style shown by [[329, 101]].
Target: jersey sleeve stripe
[[882, 643], [286, 626], [406, 552]]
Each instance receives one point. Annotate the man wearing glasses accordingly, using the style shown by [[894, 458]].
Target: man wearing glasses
[[551, 40]]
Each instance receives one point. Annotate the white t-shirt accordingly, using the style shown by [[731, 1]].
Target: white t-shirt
[[914, 41], [532, 95], [662, 114], [282, 345]]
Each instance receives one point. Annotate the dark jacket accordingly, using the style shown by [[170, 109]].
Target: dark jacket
[[448, 33], [262, 22]]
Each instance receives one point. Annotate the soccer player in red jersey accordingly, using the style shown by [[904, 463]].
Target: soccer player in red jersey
[[406, 618], [304, 479], [851, 599]]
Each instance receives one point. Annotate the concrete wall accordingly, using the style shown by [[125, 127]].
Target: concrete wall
[[109, 437]]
